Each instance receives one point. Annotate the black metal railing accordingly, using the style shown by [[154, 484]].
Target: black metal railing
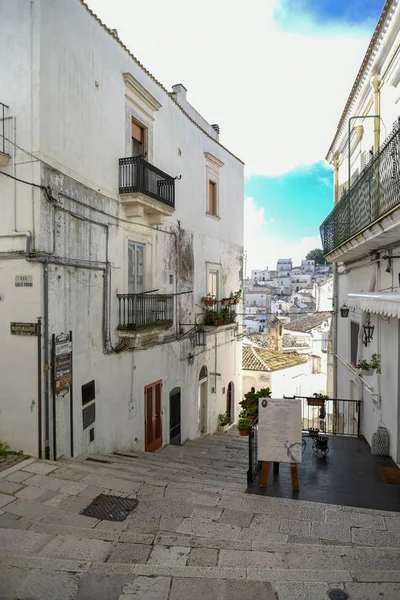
[[3, 129], [375, 193], [334, 415], [137, 311], [138, 175], [254, 465]]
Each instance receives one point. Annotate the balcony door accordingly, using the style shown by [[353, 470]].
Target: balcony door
[[135, 268], [153, 416]]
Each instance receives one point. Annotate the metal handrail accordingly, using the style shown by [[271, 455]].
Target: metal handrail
[[375, 193], [136, 311], [138, 175]]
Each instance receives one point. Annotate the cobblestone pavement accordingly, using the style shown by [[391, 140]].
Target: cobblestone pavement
[[10, 460], [194, 534]]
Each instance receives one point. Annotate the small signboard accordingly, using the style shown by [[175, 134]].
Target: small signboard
[[279, 430], [23, 281], [23, 328], [62, 365]]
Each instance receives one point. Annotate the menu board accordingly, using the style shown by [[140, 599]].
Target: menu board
[[279, 430]]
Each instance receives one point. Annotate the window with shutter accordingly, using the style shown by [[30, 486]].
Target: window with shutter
[[212, 198], [137, 139]]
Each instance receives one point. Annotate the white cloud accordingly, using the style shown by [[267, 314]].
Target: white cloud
[[276, 94], [264, 245]]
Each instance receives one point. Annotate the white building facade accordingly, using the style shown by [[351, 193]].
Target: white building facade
[[122, 210], [362, 234]]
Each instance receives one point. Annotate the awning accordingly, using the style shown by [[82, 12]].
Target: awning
[[387, 304]]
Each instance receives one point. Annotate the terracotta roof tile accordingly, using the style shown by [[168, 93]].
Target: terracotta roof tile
[[307, 323], [261, 359]]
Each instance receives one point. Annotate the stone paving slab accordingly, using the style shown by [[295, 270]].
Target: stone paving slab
[[169, 555], [306, 591], [68, 546], [6, 499], [202, 589], [203, 557], [101, 587], [317, 575], [147, 588], [40, 562], [355, 519], [9, 487], [130, 553], [373, 591], [17, 476], [12, 541], [237, 558]]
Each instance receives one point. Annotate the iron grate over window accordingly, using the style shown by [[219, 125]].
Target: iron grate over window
[[110, 508]]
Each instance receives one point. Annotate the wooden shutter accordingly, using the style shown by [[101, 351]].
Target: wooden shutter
[[137, 133], [212, 200]]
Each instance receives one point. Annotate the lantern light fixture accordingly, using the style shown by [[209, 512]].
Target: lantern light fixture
[[344, 311], [368, 331], [200, 337]]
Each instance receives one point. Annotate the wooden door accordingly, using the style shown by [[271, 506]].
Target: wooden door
[[152, 416], [203, 407]]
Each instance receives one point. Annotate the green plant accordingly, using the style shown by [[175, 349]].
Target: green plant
[[374, 363], [224, 418], [321, 396], [244, 423], [5, 450], [249, 403]]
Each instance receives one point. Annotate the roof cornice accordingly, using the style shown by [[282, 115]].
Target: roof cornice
[[364, 71]]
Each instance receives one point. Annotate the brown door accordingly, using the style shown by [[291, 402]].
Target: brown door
[[229, 401], [152, 416]]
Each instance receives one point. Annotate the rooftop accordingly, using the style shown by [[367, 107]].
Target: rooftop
[[309, 322], [293, 341], [261, 359]]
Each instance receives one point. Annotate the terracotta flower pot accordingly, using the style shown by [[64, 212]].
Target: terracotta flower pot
[[244, 431]]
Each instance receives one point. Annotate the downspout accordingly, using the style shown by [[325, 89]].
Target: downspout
[[335, 328], [15, 174], [376, 82], [46, 365], [335, 163]]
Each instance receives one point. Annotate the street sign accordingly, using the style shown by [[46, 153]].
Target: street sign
[[62, 365], [23, 328], [23, 281]]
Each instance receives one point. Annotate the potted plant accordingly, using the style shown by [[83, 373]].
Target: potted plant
[[224, 422], [369, 367], [217, 318], [208, 300], [231, 298], [237, 295], [244, 424], [225, 301]]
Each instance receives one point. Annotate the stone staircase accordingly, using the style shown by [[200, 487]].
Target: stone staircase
[[195, 533]]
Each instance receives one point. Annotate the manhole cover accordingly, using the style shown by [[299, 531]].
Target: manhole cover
[[338, 595], [110, 508]]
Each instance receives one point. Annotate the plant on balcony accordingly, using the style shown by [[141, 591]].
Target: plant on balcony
[[218, 319], [208, 300], [225, 301], [369, 367], [249, 403], [237, 295], [244, 424]]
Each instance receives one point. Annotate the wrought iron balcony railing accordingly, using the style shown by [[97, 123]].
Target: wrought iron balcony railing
[[137, 311], [138, 175], [375, 193]]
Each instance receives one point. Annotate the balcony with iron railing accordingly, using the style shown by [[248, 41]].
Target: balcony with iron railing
[[4, 135], [371, 198], [142, 311], [146, 190]]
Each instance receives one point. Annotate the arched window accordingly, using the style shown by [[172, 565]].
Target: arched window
[[203, 373]]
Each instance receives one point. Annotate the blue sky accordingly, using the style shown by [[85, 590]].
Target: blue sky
[[325, 12]]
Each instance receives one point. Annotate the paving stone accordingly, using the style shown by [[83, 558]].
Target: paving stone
[[93, 534], [264, 535], [331, 531], [210, 529], [143, 525], [236, 517], [90, 492], [111, 483], [48, 564], [60, 517], [73, 488], [18, 476], [41, 585], [130, 553], [204, 499], [370, 537], [392, 524], [9, 487], [169, 555], [302, 539], [6, 499], [316, 512], [69, 474], [170, 523], [74, 503], [200, 542], [203, 557], [149, 493], [29, 493], [11, 521], [113, 525], [202, 589], [264, 522], [147, 588], [237, 558], [136, 537], [14, 540], [41, 468], [56, 500], [354, 519], [306, 591], [206, 513], [373, 591], [94, 586], [295, 527], [68, 546], [46, 483], [172, 509], [315, 575], [371, 562], [320, 560], [376, 576], [195, 572], [232, 503], [11, 579]]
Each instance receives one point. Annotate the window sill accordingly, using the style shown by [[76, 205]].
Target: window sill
[[216, 217]]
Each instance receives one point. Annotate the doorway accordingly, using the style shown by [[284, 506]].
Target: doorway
[[230, 404], [202, 402], [152, 416], [175, 417]]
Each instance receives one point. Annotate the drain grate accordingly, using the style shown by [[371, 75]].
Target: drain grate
[[110, 508], [338, 595]]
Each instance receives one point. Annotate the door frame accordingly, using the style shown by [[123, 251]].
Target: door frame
[[175, 391], [156, 441]]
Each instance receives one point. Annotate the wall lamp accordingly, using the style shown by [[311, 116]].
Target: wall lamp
[[200, 337], [344, 311], [389, 258], [368, 331]]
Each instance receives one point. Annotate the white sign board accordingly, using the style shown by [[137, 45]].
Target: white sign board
[[279, 430], [23, 281]]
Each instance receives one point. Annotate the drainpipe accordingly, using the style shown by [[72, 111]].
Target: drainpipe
[[335, 163], [376, 82], [335, 328], [46, 360], [15, 173]]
